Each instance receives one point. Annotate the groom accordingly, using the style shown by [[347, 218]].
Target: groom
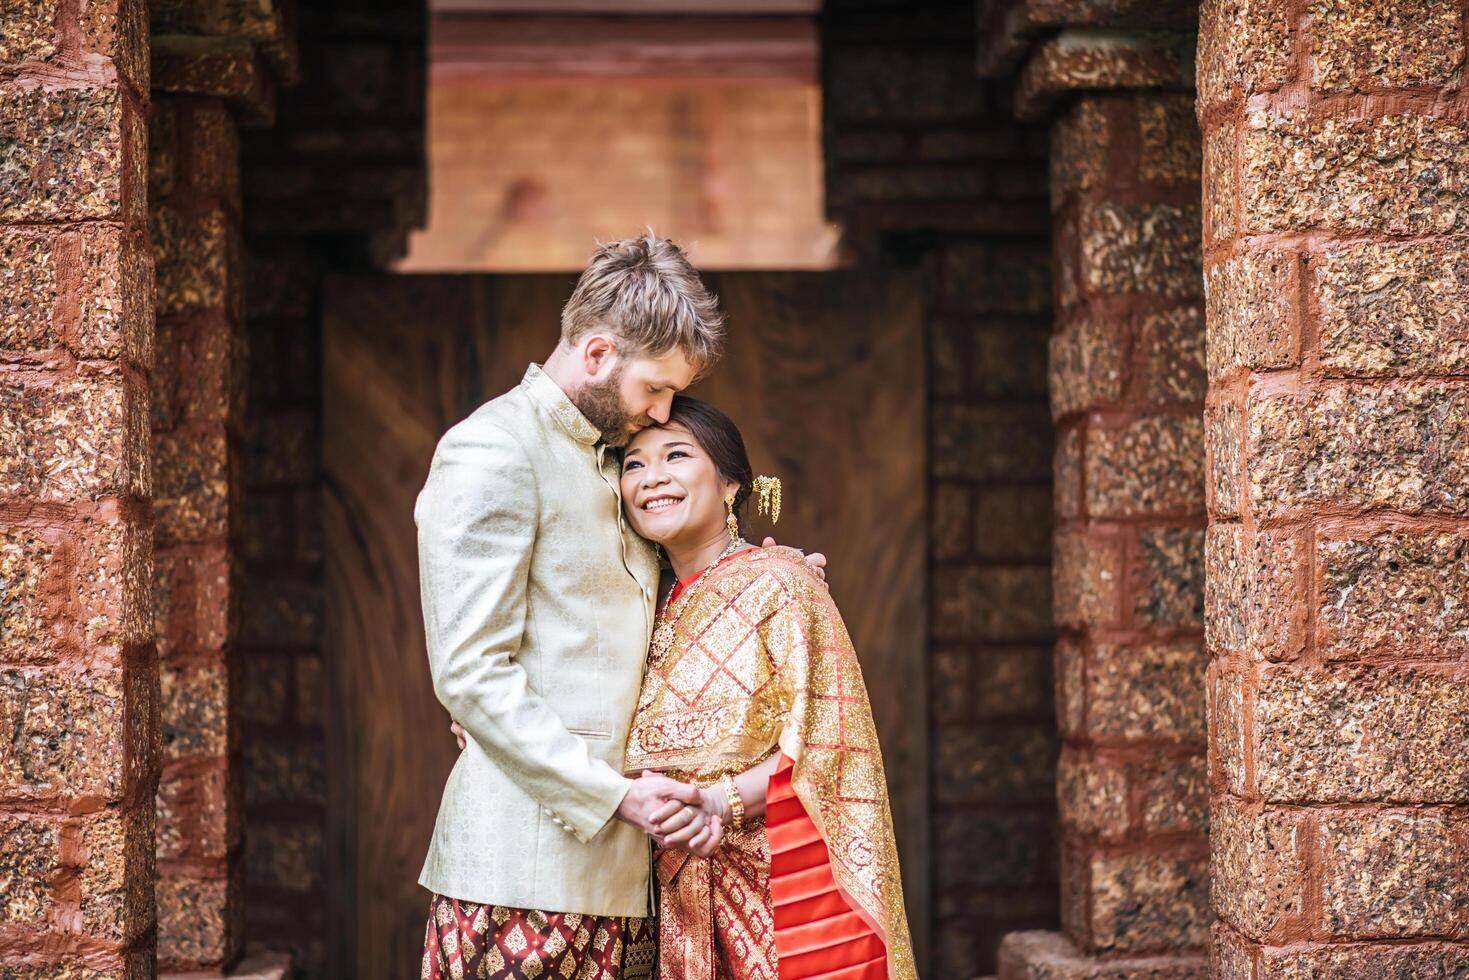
[[538, 601]]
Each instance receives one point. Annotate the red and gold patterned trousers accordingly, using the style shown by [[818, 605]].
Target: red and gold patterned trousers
[[469, 941]]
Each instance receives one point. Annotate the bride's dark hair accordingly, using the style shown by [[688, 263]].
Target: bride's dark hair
[[721, 439]]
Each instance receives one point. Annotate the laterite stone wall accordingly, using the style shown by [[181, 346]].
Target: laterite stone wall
[[926, 166], [1127, 384], [78, 667], [1337, 153]]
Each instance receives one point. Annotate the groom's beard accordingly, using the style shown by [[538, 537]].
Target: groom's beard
[[601, 403]]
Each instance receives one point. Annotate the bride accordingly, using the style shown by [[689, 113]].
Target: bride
[[753, 693]]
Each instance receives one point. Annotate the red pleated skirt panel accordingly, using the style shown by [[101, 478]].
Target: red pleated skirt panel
[[818, 936]]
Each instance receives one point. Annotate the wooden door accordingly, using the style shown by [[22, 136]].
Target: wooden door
[[824, 375]]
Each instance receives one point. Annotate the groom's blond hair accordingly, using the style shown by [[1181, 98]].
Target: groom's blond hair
[[646, 292]]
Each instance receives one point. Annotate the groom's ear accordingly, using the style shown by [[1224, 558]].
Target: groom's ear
[[598, 351]]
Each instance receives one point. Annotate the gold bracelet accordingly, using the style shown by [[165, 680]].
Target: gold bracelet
[[736, 802]]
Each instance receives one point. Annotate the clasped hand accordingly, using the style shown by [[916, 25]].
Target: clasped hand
[[675, 814]]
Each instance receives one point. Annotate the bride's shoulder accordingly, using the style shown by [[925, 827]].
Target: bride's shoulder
[[782, 569]]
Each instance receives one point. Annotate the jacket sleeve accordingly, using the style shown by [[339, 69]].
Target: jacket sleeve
[[477, 520]]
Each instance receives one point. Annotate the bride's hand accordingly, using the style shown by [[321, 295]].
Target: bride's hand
[[816, 560], [696, 828]]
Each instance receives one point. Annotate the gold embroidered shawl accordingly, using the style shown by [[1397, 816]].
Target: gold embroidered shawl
[[761, 659]]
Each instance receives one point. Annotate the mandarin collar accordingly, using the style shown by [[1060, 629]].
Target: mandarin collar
[[554, 400]]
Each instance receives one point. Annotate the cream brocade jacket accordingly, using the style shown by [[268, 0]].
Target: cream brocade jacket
[[538, 602]]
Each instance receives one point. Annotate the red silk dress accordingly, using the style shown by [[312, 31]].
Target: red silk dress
[[766, 905]]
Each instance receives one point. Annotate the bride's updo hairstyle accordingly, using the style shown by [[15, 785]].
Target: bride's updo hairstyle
[[721, 439]]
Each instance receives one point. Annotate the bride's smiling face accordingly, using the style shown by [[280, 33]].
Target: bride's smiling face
[[671, 489]]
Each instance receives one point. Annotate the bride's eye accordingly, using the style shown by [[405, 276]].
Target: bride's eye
[[626, 467], [676, 454]]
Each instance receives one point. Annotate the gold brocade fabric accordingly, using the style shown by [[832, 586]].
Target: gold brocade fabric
[[761, 661]]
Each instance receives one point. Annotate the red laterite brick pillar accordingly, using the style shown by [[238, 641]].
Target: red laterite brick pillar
[[1336, 164], [1127, 383], [78, 675]]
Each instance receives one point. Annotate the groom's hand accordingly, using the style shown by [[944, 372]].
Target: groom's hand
[[816, 560], [650, 793]]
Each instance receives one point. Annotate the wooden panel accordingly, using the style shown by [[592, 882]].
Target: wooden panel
[[824, 376]]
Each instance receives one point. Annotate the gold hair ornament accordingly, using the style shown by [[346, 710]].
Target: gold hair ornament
[[767, 492]]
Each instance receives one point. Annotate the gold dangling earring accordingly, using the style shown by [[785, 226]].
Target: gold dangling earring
[[732, 522]]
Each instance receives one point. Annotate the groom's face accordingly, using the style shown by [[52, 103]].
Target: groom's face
[[629, 394]]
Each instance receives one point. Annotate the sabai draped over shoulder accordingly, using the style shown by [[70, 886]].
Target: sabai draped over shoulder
[[762, 661]]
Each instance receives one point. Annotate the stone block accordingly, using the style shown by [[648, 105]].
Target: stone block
[[1146, 690], [82, 438], [1393, 874], [1149, 902], [283, 446], [1232, 958], [1395, 592], [1257, 867], [1086, 571], [1007, 361], [277, 770], [1012, 523], [1091, 794], [118, 29], [1151, 249], [1170, 149], [281, 612], [1385, 310], [1088, 365], [192, 484], [1358, 734], [289, 858], [1167, 576], [1080, 147], [63, 154], [192, 599], [117, 874], [34, 611], [1250, 303], [214, 171], [1394, 44], [28, 290], [194, 712], [30, 31], [193, 920], [1354, 175], [1173, 356], [1244, 47], [1066, 469], [1225, 589], [1404, 448], [948, 520], [197, 820], [1220, 185], [310, 690], [882, 82], [264, 681], [1035, 955], [1058, 67], [65, 734], [1070, 663], [1151, 465], [1013, 763], [197, 258], [115, 297], [1228, 727], [29, 859], [948, 343], [1222, 451], [969, 685], [887, 184], [1001, 851], [1438, 961], [1175, 796], [990, 442], [984, 278], [114, 575], [992, 603]]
